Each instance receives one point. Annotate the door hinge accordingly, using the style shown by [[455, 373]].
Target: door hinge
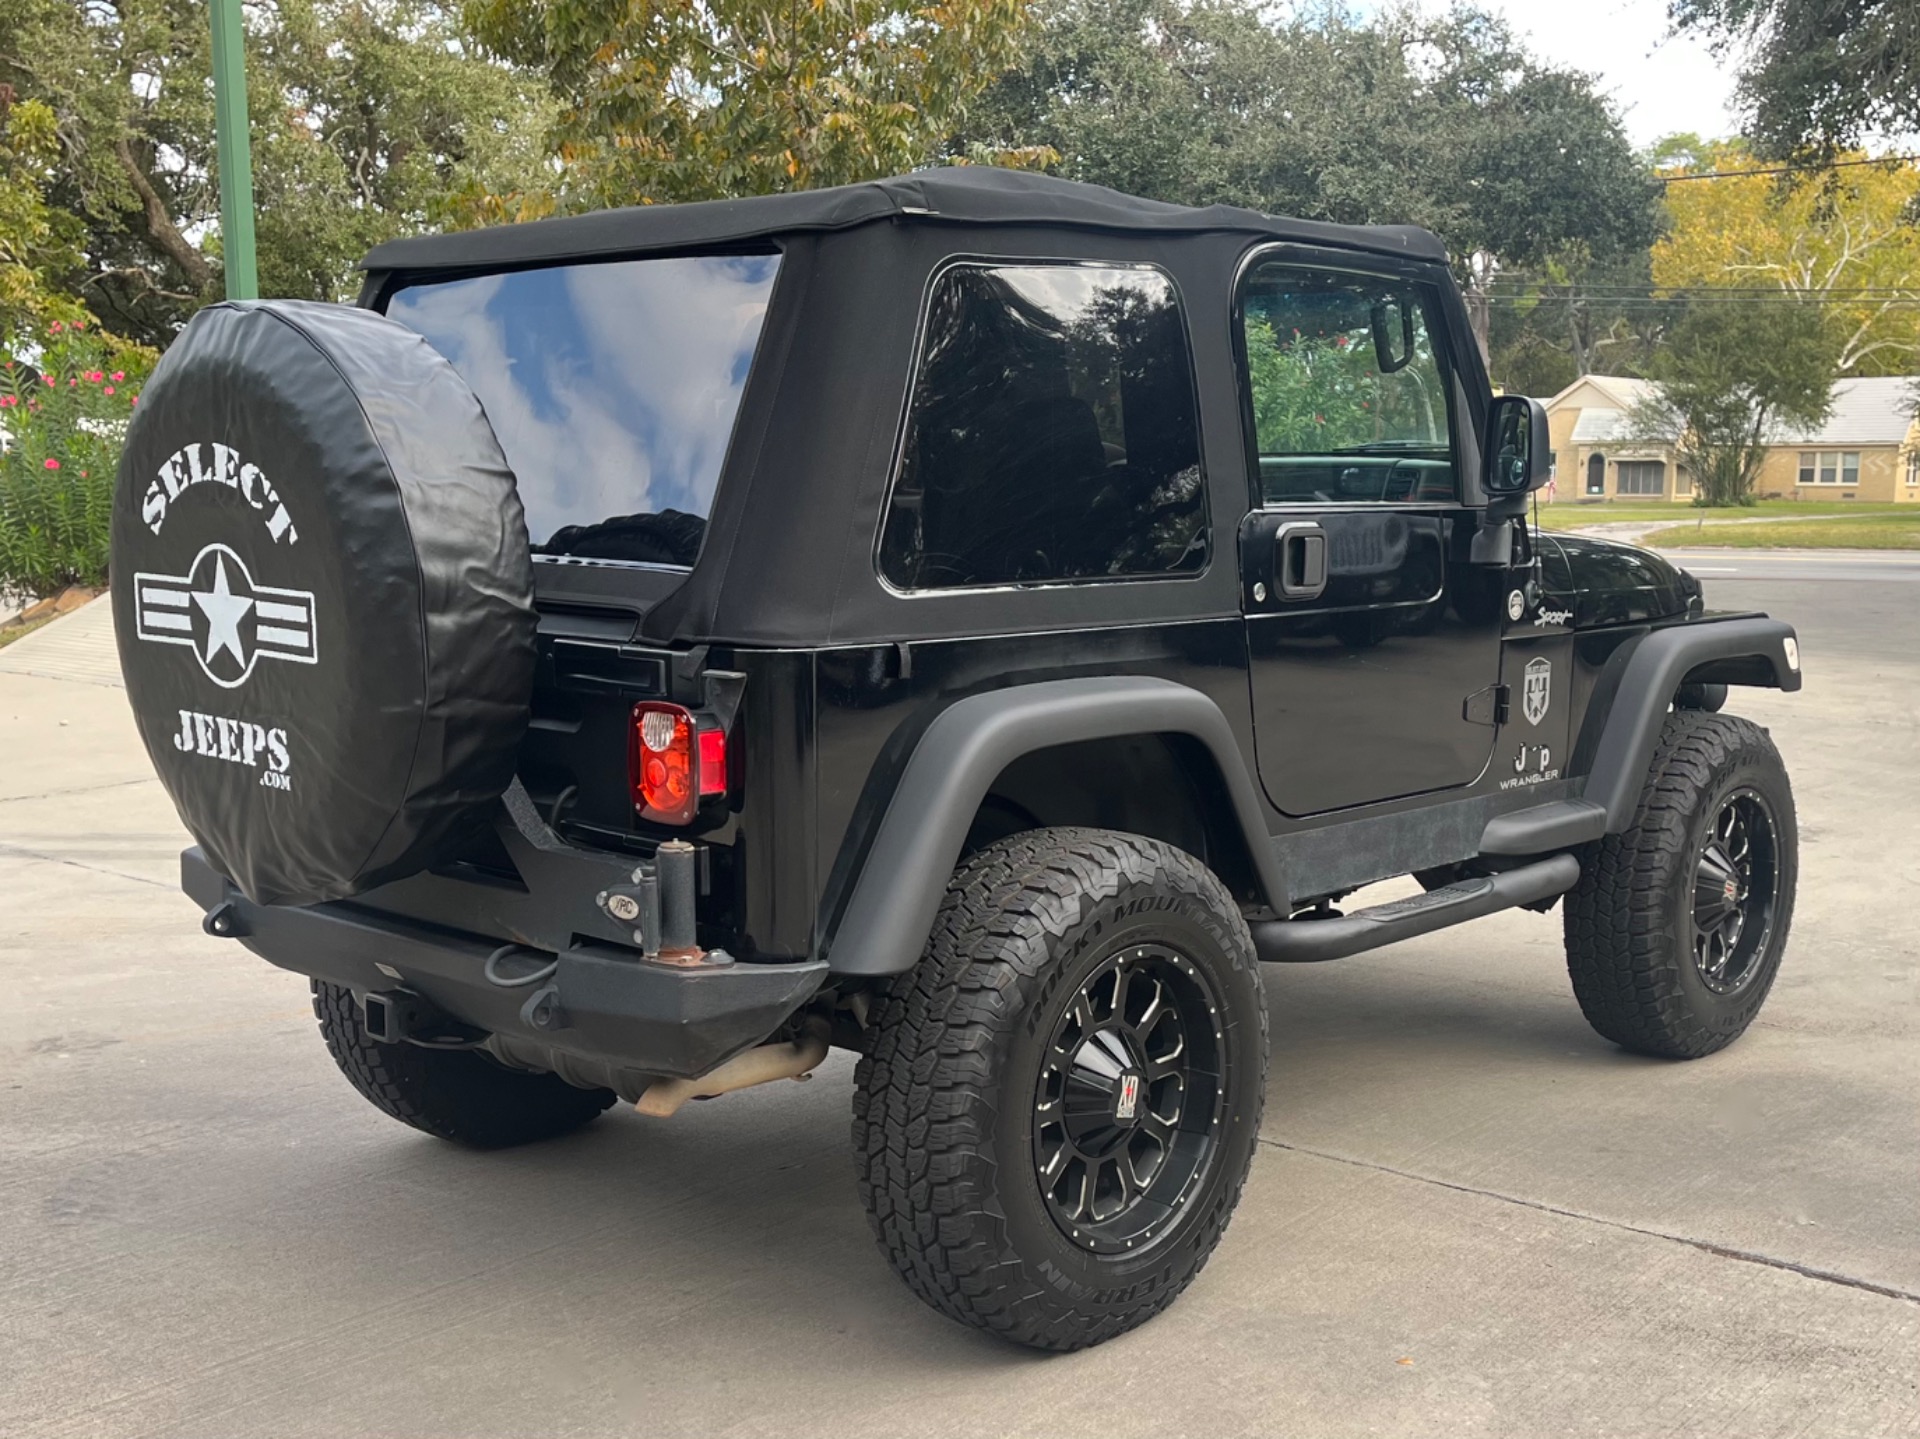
[[1490, 706]]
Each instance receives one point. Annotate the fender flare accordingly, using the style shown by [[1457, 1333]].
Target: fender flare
[[1748, 651], [1624, 718], [894, 901]]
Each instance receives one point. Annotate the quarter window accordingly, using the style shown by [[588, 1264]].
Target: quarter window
[[1347, 388], [1051, 434]]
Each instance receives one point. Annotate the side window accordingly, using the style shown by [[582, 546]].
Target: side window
[[1051, 434], [1349, 392]]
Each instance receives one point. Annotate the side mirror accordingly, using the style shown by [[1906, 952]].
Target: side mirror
[[1519, 457]]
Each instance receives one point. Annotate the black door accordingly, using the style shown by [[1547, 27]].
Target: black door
[[1374, 640]]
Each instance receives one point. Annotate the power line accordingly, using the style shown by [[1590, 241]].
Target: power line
[[1631, 301], [1637, 291], [1784, 169]]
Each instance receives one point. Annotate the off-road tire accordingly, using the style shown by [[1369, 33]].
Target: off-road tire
[[453, 1094], [1629, 921], [944, 1106]]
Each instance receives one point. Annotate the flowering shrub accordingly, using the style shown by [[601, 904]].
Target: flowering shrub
[[63, 419]]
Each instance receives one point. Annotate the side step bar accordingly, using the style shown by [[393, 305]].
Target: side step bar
[[1305, 941]]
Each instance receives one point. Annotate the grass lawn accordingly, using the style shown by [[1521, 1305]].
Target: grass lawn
[[10, 633], [1566, 516], [1879, 532]]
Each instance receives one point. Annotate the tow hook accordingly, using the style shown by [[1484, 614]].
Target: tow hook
[[223, 921]]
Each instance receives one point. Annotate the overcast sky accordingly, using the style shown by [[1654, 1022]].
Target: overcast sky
[[1662, 86]]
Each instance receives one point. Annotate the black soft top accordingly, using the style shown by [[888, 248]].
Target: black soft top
[[963, 195]]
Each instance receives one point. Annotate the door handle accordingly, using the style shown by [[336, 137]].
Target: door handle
[[1299, 560]]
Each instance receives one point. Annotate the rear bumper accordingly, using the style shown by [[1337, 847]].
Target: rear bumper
[[657, 1018]]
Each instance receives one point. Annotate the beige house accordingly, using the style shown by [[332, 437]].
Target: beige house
[[1868, 449]]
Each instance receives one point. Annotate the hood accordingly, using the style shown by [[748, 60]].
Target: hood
[[1603, 582]]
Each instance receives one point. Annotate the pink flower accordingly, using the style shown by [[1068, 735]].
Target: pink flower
[[79, 324], [52, 463], [133, 399], [109, 389], [94, 377], [49, 380], [118, 376], [7, 400], [55, 328], [71, 382]]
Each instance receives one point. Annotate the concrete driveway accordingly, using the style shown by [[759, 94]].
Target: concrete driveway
[[1469, 1216]]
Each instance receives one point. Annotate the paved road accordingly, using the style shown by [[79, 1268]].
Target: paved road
[[1882, 567], [1469, 1216]]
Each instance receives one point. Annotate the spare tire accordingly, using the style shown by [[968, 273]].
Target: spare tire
[[323, 597]]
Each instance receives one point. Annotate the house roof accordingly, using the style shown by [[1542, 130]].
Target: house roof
[[1872, 411], [964, 195], [1623, 390], [1876, 411]]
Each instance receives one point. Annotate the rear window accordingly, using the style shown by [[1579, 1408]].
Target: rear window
[[613, 389]]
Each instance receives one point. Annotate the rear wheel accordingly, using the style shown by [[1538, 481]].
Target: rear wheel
[[1060, 1101], [1675, 931], [457, 1094]]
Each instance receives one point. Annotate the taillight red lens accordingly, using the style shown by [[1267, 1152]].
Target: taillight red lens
[[712, 745], [674, 762], [660, 763]]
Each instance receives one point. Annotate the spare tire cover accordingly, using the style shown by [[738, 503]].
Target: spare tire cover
[[323, 597]]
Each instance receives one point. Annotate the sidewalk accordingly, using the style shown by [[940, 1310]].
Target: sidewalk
[[77, 646]]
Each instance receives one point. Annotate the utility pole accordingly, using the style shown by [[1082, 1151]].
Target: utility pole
[[236, 154]]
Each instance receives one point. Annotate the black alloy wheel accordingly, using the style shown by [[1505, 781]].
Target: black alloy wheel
[[1059, 1103], [1129, 1099], [1678, 924], [1735, 885]]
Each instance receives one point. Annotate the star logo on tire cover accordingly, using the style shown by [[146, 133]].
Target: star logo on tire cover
[[228, 621]]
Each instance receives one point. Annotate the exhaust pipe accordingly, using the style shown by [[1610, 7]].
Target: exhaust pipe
[[763, 1065]]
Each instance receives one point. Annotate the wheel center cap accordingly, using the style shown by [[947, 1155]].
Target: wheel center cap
[[1126, 1097]]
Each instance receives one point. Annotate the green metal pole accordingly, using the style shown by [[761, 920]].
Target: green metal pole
[[236, 155]]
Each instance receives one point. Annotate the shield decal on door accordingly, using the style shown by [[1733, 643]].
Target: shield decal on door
[[1536, 689]]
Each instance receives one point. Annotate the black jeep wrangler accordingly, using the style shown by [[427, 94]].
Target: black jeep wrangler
[[970, 619]]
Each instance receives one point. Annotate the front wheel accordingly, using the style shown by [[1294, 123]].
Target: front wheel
[[1675, 930], [1060, 1102]]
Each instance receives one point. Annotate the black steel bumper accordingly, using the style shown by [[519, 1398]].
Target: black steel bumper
[[659, 1018]]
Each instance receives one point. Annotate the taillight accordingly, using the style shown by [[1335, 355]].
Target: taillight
[[673, 762], [711, 747]]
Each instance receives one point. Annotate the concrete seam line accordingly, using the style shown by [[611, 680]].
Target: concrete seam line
[[77, 789], [1705, 1246], [15, 851]]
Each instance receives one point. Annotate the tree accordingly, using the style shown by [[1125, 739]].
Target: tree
[[1729, 376], [1820, 75], [39, 245], [704, 99], [370, 118], [1438, 121], [1841, 240]]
